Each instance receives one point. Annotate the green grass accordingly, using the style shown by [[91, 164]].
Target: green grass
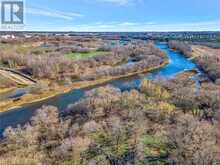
[[79, 56], [4, 46], [153, 143], [39, 50]]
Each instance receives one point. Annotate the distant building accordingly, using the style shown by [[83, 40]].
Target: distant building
[[27, 36], [8, 36]]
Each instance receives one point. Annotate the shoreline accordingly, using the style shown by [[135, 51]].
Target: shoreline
[[11, 105], [6, 90]]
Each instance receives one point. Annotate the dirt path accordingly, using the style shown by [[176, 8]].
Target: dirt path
[[17, 77]]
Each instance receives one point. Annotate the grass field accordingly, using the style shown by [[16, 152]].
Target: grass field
[[79, 56]]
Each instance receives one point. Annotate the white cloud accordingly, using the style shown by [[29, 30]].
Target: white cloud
[[148, 26], [128, 24], [120, 2], [52, 13]]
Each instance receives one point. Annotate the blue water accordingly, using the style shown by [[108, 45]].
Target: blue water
[[18, 93], [15, 94], [178, 63]]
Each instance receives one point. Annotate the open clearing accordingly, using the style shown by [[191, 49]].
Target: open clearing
[[79, 56], [203, 50]]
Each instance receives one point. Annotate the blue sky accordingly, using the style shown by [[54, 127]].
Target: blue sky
[[122, 15]]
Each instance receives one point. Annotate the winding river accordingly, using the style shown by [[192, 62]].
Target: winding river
[[177, 63]]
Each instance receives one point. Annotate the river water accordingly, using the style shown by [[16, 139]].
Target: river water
[[177, 63]]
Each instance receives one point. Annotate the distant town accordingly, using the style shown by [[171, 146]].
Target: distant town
[[189, 36]]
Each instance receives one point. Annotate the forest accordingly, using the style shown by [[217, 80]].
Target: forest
[[162, 123], [51, 63], [168, 121]]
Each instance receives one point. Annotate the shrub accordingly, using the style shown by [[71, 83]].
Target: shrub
[[38, 88], [152, 89], [194, 142], [181, 46]]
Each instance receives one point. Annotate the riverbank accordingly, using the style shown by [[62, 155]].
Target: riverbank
[[208, 60], [186, 74], [30, 98], [6, 90], [176, 63], [205, 57]]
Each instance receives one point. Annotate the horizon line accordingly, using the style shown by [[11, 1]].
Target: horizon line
[[51, 31]]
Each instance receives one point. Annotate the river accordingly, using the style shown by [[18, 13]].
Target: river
[[177, 63]]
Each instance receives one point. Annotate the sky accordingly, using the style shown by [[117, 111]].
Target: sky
[[122, 15]]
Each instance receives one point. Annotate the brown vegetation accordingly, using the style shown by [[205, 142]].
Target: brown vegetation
[[206, 58], [211, 65], [168, 122], [181, 46], [114, 127], [195, 142], [55, 66]]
